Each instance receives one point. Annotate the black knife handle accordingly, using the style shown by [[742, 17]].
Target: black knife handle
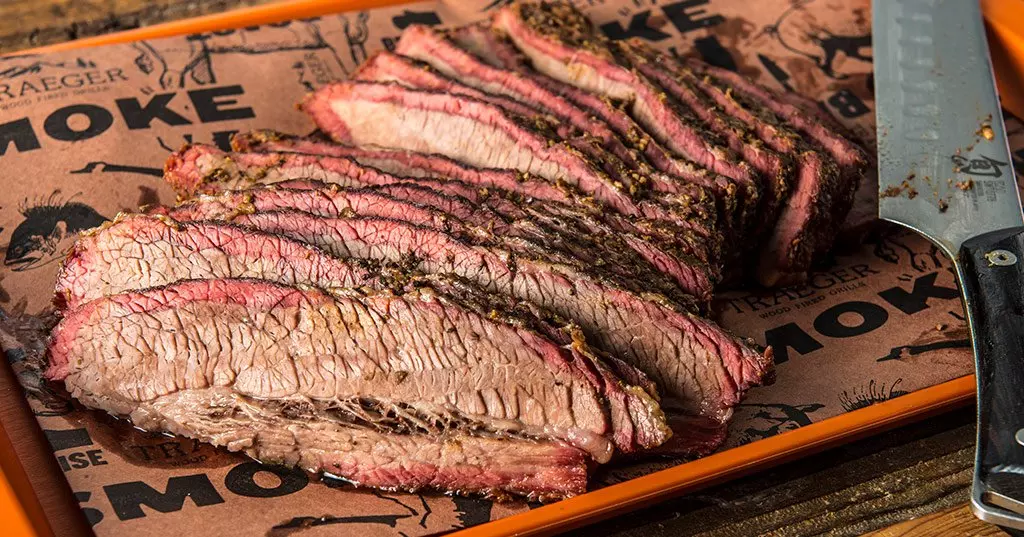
[[992, 279]]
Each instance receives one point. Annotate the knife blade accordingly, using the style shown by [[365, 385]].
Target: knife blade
[[945, 171]]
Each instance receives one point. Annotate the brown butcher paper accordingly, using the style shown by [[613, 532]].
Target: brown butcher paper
[[84, 134]]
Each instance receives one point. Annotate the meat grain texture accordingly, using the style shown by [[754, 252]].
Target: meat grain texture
[[487, 272]]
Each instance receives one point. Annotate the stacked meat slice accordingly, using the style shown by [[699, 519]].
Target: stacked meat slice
[[486, 273]]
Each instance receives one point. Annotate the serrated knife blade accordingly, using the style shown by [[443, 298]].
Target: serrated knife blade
[[945, 171]]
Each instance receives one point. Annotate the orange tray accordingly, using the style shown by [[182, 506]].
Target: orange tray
[[1005, 21]]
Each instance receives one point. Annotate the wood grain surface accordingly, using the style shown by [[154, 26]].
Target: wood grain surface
[[955, 521], [909, 482]]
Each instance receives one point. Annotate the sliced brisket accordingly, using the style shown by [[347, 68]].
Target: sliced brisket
[[412, 164], [434, 48], [191, 169], [473, 132], [486, 43], [418, 362], [775, 169], [561, 43], [854, 164], [139, 251], [700, 218], [423, 206], [690, 357], [387, 67], [807, 216], [316, 440]]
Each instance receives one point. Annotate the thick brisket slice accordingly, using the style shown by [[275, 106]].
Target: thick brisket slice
[[412, 164], [329, 202], [141, 251], [459, 463], [472, 131], [852, 161], [690, 357], [700, 218], [457, 216], [388, 67], [190, 169], [434, 48], [486, 43], [775, 169], [419, 362], [560, 43]]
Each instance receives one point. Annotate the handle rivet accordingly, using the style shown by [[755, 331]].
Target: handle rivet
[[1001, 258], [1020, 436]]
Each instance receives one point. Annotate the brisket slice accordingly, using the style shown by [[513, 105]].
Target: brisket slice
[[474, 132], [388, 67], [683, 254], [385, 66], [776, 170], [189, 171], [412, 164], [487, 44], [474, 223], [417, 362], [854, 163], [561, 43], [806, 222], [317, 441], [806, 217], [700, 218], [690, 357], [434, 48], [139, 252]]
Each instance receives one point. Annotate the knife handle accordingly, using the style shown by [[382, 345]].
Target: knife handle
[[992, 281]]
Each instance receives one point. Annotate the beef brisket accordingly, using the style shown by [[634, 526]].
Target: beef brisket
[[671, 176], [387, 67], [853, 162], [412, 164], [319, 442], [190, 169], [561, 43], [417, 362], [487, 44], [775, 169], [689, 357], [473, 132], [806, 216], [139, 251], [482, 181], [434, 48], [457, 216]]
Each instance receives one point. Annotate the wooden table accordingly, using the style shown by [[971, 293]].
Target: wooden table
[[911, 481]]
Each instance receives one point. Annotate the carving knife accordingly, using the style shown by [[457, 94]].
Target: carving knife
[[945, 171]]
